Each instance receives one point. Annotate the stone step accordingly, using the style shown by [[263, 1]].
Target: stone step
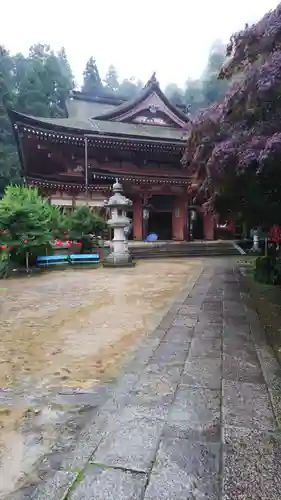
[[185, 250]]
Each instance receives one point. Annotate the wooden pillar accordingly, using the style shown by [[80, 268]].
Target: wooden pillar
[[137, 220], [180, 219], [209, 226], [185, 220]]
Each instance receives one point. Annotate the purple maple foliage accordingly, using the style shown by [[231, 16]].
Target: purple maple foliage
[[245, 128]]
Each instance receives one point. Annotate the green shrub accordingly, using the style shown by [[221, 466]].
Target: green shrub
[[18, 255], [277, 269], [29, 224], [265, 269], [268, 270], [5, 269], [87, 244], [84, 221]]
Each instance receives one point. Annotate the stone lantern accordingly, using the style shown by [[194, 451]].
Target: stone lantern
[[256, 241], [118, 205]]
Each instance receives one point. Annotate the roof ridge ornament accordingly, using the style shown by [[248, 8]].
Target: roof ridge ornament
[[152, 80]]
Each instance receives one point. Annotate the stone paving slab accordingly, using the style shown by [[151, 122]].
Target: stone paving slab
[[236, 329], [205, 347], [213, 305], [193, 416], [195, 408], [191, 311], [130, 443], [79, 454], [101, 483], [183, 320], [194, 300], [203, 372], [232, 308], [185, 470], [244, 368], [211, 317], [170, 353], [236, 346], [205, 329], [179, 334], [247, 405], [157, 382], [203, 434], [55, 487]]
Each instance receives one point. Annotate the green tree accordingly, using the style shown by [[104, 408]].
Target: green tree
[[130, 87], [64, 81], [25, 223], [32, 96], [250, 198], [92, 83], [214, 89], [82, 224], [44, 82], [111, 80], [175, 94], [84, 221], [37, 85], [200, 93], [9, 163], [193, 95]]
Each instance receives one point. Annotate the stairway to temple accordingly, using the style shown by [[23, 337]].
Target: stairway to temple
[[160, 250]]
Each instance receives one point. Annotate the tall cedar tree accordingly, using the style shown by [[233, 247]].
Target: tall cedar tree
[[38, 85], [92, 83]]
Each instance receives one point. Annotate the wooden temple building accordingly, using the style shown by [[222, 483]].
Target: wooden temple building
[[75, 160]]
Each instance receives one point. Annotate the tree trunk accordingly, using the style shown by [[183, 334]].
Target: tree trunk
[[27, 261]]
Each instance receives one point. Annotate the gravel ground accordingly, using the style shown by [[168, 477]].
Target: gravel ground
[[70, 330]]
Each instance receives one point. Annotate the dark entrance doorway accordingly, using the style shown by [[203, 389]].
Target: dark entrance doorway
[[160, 223], [160, 217]]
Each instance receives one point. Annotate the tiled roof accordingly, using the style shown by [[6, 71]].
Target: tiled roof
[[96, 116], [102, 127], [77, 108]]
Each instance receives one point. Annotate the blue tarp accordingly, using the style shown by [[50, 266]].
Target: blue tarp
[[152, 237]]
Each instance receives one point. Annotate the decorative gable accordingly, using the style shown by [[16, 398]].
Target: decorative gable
[[146, 119], [152, 111], [150, 107]]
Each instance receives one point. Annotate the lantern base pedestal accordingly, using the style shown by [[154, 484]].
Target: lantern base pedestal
[[115, 259], [128, 264]]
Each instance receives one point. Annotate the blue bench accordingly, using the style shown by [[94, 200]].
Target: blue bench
[[52, 260], [75, 258], [84, 258]]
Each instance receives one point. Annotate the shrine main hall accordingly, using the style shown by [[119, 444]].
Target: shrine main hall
[[75, 160]]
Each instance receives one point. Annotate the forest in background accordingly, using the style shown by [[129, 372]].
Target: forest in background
[[40, 83]]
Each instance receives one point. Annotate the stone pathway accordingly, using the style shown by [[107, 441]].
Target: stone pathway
[[194, 416]]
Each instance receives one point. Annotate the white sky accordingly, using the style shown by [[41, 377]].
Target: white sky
[[138, 37]]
